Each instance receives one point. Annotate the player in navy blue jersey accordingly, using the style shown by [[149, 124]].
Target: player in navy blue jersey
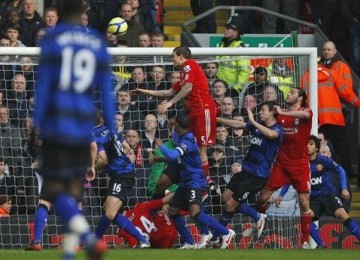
[[192, 183], [113, 158], [265, 142], [73, 63], [324, 197]]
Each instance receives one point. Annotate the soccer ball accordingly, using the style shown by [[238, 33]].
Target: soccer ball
[[117, 26]]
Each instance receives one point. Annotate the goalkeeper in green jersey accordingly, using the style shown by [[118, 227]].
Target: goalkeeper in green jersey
[[158, 168]]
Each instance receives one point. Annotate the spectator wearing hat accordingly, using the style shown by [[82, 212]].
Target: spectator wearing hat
[[257, 87], [282, 74], [234, 71]]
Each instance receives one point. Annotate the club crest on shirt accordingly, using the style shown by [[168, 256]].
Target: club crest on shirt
[[187, 68], [297, 121], [183, 146], [319, 167]]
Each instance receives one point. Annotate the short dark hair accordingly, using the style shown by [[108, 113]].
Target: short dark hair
[[184, 51], [183, 121], [316, 141], [4, 199], [69, 8], [13, 26], [270, 104]]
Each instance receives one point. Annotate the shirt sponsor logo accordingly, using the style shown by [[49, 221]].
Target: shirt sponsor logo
[[317, 180], [187, 68]]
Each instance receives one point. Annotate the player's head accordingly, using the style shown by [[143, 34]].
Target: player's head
[[313, 145], [297, 95], [267, 110], [71, 10], [183, 122], [180, 55]]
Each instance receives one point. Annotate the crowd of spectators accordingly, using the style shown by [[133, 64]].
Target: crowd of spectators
[[137, 117]]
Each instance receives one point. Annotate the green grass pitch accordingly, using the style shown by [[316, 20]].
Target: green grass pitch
[[170, 254]]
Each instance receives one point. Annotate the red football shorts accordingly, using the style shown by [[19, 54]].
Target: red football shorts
[[204, 126], [297, 174]]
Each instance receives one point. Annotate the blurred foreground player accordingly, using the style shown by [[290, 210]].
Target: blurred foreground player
[[72, 62]]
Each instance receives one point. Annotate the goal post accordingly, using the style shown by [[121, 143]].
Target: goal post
[[303, 60]]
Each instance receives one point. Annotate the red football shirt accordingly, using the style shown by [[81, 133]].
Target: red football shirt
[[141, 217], [199, 98], [166, 234], [296, 137]]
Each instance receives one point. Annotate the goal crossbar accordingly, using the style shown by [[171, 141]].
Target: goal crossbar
[[310, 52]]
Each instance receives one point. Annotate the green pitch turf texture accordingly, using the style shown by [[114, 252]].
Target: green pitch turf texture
[[170, 254]]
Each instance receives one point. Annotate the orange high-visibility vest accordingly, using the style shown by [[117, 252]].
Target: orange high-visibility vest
[[331, 87]]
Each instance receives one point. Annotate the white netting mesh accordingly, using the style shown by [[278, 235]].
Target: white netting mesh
[[152, 72]]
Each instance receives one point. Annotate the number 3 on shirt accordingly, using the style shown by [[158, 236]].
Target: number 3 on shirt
[[77, 69]]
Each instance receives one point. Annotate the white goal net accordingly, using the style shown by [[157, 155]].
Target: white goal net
[[151, 68]]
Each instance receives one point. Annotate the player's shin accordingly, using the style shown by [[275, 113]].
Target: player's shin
[[184, 232], [246, 209], [315, 234], [207, 220], [305, 221], [224, 220], [42, 214], [124, 223], [104, 223], [353, 227]]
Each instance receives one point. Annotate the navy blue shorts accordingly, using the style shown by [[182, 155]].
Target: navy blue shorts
[[120, 186], [325, 205], [245, 185], [172, 170], [186, 196], [64, 162]]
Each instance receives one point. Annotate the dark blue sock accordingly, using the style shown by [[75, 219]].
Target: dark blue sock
[[124, 223], [205, 219], [315, 234], [224, 220], [42, 214], [184, 232], [66, 207], [353, 227], [246, 209], [103, 224], [203, 228]]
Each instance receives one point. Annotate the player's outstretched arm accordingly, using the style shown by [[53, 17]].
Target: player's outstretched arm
[[302, 114], [231, 122], [269, 133], [155, 93]]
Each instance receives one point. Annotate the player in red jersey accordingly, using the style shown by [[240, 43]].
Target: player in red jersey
[[194, 88], [292, 165], [155, 227]]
